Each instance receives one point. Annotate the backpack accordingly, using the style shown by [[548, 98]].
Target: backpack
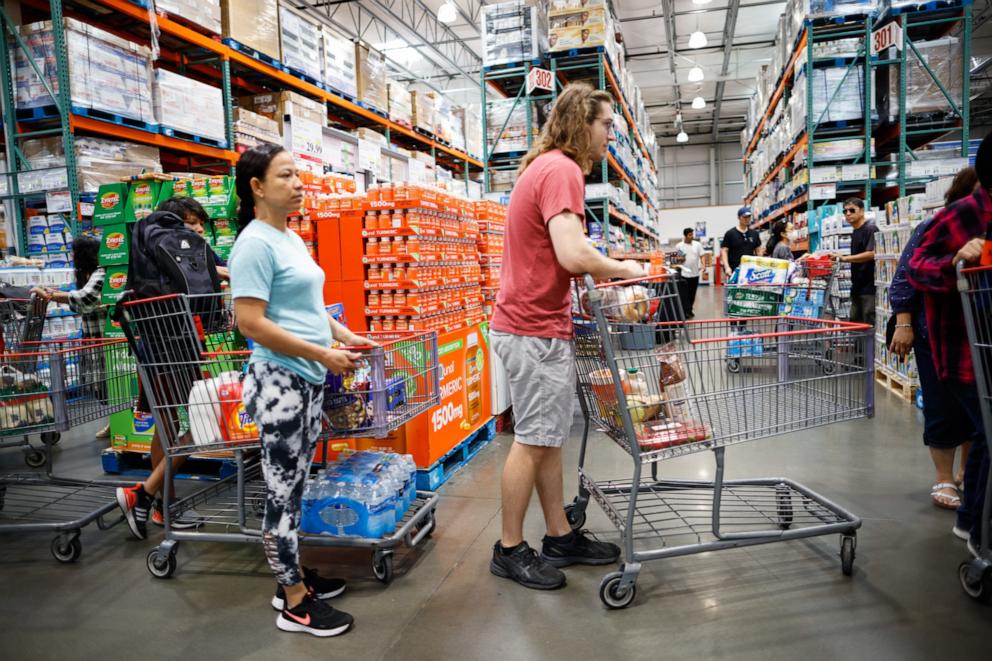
[[169, 258]]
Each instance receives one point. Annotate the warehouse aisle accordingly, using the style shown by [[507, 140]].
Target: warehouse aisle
[[785, 601]]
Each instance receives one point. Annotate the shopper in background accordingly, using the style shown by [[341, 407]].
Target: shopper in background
[[545, 246], [739, 242], [692, 256], [277, 290], [196, 218], [957, 234], [862, 261], [946, 424], [84, 300], [779, 246]]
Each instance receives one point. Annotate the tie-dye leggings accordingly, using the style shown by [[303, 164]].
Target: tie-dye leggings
[[287, 410]]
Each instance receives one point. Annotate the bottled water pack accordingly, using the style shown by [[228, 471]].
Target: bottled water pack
[[364, 494]]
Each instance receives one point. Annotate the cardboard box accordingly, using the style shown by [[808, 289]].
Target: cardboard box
[[371, 70], [339, 62], [189, 106], [301, 42], [111, 201], [115, 245], [205, 13], [253, 23], [400, 103], [423, 109], [114, 284], [277, 105]]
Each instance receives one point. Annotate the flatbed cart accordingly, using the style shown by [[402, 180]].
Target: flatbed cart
[[184, 344], [23, 321], [678, 398], [975, 286], [47, 388]]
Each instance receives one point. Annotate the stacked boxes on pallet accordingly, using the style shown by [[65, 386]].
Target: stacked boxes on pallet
[[339, 62], [252, 129], [301, 41], [205, 13], [371, 69], [423, 110], [514, 32], [400, 103], [447, 123], [189, 106], [106, 73], [278, 106], [581, 24], [252, 23]]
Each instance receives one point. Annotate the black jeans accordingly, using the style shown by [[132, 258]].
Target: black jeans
[[976, 472], [687, 294]]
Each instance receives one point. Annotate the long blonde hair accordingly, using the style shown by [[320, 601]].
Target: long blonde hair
[[567, 129]]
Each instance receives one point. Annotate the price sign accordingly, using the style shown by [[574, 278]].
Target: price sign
[[58, 202], [886, 37], [307, 143], [823, 191], [540, 79]]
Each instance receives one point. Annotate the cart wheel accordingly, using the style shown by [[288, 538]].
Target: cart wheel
[[66, 553], [980, 590], [847, 555], [382, 566], [784, 505], [159, 565], [611, 594], [36, 458], [576, 516], [734, 366], [51, 438]]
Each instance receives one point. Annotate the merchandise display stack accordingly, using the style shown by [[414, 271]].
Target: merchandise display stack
[[252, 130], [252, 26], [834, 236], [188, 109], [423, 268], [492, 230], [514, 31], [204, 13], [301, 41]]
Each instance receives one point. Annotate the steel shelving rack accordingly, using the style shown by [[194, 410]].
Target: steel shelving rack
[[190, 51]]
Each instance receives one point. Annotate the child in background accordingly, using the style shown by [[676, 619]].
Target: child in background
[[196, 218]]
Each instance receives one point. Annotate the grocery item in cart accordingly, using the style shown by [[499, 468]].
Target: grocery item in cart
[[670, 433], [630, 304], [763, 270], [672, 367], [216, 412], [349, 502]]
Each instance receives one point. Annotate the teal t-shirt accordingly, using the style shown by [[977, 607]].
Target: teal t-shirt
[[275, 267]]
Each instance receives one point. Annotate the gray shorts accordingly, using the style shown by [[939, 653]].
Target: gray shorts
[[541, 373]]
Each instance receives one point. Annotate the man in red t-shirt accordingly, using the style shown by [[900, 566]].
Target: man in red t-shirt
[[532, 331]]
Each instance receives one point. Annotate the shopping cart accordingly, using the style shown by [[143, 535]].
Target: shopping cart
[[47, 388], [190, 359], [22, 320], [677, 398], [804, 294], [975, 286]]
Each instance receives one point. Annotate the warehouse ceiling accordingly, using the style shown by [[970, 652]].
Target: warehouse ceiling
[[740, 36]]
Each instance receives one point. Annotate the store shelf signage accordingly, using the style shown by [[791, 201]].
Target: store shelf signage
[[886, 37], [308, 143], [540, 79], [823, 191]]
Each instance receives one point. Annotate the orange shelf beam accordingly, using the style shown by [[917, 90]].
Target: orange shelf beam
[[628, 115], [777, 95], [623, 175], [195, 38], [77, 122], [627, 221]]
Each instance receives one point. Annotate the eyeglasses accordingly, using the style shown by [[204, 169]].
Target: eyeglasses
[[850, 210]]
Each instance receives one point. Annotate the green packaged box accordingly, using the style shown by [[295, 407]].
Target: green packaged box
[[115, 245], [752, 302], [112, 329], [114, 284], [111, 200], [144, 196], [222, 201]]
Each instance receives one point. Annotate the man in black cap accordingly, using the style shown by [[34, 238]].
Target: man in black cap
[[739, 241], [958, 234]]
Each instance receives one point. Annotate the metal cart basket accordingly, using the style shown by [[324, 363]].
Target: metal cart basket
[[975, 286], [191, 361], [678, 397], [46, 388]]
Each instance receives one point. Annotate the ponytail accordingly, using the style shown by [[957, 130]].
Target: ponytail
[[253, 164]]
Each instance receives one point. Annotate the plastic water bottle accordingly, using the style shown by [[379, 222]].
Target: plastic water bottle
[[379, 502]]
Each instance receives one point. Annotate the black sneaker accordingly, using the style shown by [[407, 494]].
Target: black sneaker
[[578, 549], [317, 585], [525, 567], [315, 617], [135, 503]]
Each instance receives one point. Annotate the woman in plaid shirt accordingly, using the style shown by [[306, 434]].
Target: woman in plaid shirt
[[85, 301]]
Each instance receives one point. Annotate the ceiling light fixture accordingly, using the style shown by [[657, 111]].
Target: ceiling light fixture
[[697, 39], [698, 103], [682, 137], [696, 75], [447, 13]]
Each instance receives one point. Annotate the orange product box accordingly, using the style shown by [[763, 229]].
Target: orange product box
[[352, 245], [327, 235]]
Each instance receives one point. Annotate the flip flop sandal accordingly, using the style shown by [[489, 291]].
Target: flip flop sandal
[[944, 500]]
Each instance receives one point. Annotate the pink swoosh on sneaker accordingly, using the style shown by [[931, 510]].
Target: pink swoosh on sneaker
[[304, 621]]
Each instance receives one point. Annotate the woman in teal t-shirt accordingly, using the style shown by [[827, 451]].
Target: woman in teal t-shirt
[[278, 301]]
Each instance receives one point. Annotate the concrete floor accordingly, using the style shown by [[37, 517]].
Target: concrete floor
[[782, 601]]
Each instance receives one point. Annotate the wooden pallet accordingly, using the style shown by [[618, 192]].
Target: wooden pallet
[[897, 384]]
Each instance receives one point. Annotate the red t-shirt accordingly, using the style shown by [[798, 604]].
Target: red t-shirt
[[534, 297]]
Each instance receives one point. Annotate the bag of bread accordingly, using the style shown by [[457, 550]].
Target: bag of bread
[[672, 367]]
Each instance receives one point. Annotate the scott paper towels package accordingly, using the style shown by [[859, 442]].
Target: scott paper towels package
[[763, 270]]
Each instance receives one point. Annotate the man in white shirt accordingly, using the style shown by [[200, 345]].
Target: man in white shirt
[[692, 254]]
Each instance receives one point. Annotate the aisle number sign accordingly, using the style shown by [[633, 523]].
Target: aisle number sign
[[539, 79], [886, 37]]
